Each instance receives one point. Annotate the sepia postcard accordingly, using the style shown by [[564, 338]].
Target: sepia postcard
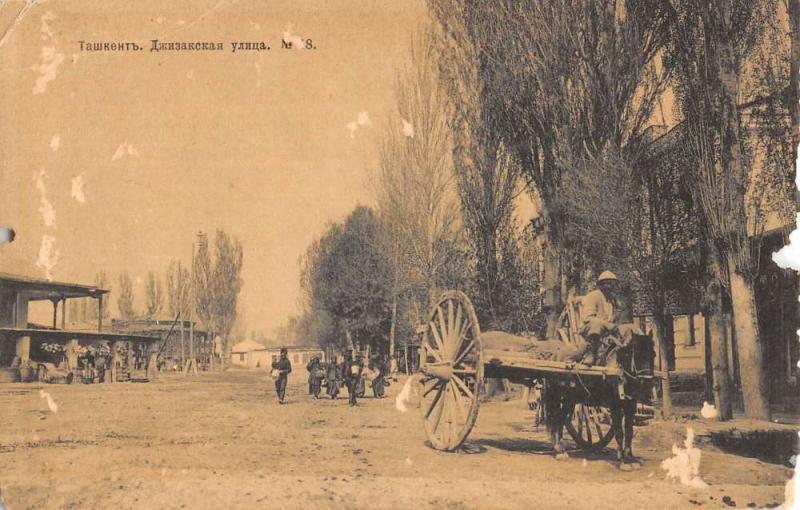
[[372, 254]]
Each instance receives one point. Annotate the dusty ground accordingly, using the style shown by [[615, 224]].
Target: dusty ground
[[221, 440]]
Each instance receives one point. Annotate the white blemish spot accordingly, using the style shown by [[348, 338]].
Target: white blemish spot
[[709, 412], [48, 256], [77, 188], [684, 465], [123, 149], [408, 461], [792, 488], [405, 394], [51, 58], [45, 207], [408, 129], [55, 142], [789, 256], [361, 121], [295, 40], [51, 404]]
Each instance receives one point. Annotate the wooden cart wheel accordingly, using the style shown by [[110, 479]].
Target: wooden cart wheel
[[591, 427], [451, 361]]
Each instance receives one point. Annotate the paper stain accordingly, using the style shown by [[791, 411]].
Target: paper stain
[[408, 129], [7, 235], [709, 411], [51, 58], [45, 207], [404, 396], [684, 465], [51, 404], [789, 256], [55, 143], [17, 19], [77, 188], [295, 40], [125, 148], [362, 120], [48, 256], [792, 488]]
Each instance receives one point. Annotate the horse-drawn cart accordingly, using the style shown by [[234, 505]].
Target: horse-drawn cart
[[456, 358]]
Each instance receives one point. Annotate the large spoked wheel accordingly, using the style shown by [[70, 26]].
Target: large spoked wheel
[[451, 358], [591, 427]]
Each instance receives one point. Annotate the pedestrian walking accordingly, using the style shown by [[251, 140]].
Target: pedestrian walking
[[281, 368], [352, 371], [379, 369], [315, 376], [334, 377]]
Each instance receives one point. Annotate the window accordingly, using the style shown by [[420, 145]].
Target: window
[[297, 358], [241, 357]]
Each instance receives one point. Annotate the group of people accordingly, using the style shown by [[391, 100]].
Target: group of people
[[351, 372]]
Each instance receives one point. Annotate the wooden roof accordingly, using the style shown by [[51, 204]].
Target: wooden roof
[[40, 289], [62, 334]]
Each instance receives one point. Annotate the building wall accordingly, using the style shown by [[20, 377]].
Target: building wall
[[297, 357]]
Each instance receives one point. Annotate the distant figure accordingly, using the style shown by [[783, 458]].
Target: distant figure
[[315, 376], [334, 376], [352, 370], [281, 370], [378, 366]]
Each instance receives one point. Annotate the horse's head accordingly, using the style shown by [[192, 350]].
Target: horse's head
[[636, 352], [643, 354]]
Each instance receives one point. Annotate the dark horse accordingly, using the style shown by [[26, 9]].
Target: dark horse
[[631, 352]]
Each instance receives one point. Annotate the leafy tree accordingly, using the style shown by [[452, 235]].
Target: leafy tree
[[217, 283], [154, 294], [417, 195], [710, 45], [226, 283], [347, 276], [202, 290], [125, 297], [178, 289], [562, 85]]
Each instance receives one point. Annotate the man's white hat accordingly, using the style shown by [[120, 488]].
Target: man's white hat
[[607, 276]]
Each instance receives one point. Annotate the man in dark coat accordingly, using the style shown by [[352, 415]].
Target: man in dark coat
[[377, 365], [283, 367], [314, 376], [334, 377], [352, 370]]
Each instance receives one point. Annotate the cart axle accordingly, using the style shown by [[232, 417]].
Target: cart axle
[[442, 371]]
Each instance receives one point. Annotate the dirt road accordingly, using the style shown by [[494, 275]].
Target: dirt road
[[220, 440]]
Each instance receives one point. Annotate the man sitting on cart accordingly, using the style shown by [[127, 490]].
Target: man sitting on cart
[[600, 328]]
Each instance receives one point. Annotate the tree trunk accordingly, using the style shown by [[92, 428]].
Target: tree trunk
[[719, 364], [717, 338], [755, 393], [487, 277], [709, 365], [553, 302], [794, 82], [392, 327], [663, 363]]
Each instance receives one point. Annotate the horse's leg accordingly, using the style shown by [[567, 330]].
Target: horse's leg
[[630, 414], [616, 422], [554, 417]]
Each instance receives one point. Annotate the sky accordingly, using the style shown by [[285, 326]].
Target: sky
[[114, 160]]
